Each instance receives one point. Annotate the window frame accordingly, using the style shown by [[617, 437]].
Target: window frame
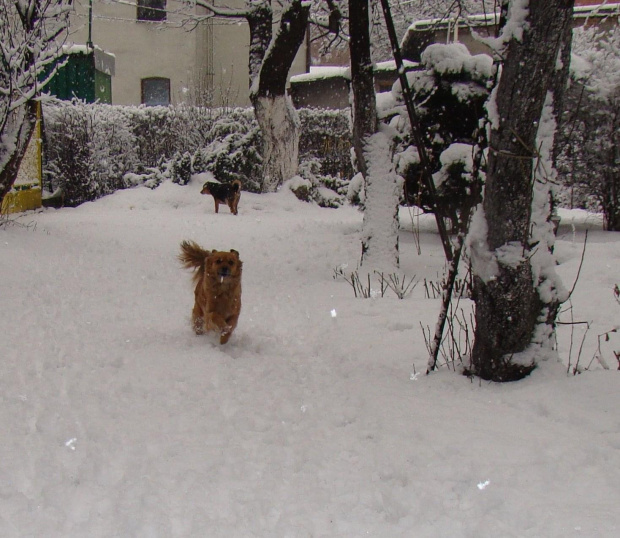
[[147, 12], [144, 82]]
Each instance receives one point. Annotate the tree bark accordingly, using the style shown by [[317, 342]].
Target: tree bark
[[508, 305], [277, 118], [362, 80], [373, 152], [280, 128]]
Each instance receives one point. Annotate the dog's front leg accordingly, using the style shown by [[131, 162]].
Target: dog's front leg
[[198, 322], [231, 322], [215, 322]]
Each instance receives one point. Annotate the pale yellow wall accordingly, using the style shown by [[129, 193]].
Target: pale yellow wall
[[150, 49]]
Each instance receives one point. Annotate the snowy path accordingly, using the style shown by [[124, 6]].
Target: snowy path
[[118, 421]]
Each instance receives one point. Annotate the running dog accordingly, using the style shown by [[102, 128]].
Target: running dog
[[224, 193], [218, 288]]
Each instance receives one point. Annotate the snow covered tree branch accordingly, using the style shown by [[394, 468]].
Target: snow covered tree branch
[[31, 35]]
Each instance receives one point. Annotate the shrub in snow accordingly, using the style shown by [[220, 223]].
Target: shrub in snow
[[88, 150], [181, 168], [457, 188], [233, 154], [199, 162], [324, 190], [165, 131], [355, 189], [449, 93], [300, 187], [589, 161], [326, 138]]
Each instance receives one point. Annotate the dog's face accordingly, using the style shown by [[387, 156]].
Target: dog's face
[[223, 265], [205, 189]]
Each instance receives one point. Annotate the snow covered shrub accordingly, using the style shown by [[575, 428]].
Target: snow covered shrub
[[164, 131], [355, 190], [326, 138], [316, 187], [233, 152], [181, 168], [151, 127], [199, 162], [300, 187], [88, 151], [589, 161], [449, 93], [151, 177]]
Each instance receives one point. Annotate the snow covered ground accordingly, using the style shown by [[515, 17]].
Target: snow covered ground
[[316, 420]]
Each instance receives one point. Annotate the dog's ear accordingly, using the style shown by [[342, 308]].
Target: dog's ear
[[235, 252]]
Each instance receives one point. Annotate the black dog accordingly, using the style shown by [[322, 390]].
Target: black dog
[[224, 193]]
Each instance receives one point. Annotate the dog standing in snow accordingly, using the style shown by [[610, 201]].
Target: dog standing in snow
[[218, 288], [224, 193]]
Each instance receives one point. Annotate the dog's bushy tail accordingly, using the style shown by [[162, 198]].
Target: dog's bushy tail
[[193, 256]]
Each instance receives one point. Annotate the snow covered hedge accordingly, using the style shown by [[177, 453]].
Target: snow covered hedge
[[88, 150], [92, 150]]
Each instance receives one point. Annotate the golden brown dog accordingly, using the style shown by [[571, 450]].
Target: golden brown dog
[[218, 288], [224, 193]]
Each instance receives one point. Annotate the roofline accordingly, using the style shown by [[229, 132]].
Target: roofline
[[489, 19]]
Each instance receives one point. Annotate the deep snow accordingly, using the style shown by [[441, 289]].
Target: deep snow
[[117, 420]]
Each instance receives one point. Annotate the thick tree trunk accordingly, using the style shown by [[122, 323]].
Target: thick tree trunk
[[373, 152], [279, 124], [13, 145], [260, 20], [508, 305], [384, 187], [270, 63]]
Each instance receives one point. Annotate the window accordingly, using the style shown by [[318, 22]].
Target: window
[[151, 10], [156, 91]]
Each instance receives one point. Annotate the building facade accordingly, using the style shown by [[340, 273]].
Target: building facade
[[165, 55]]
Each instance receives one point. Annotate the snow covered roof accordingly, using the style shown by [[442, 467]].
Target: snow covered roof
[[77, 48], [472, 20], [596, 10], [390, 65], [104, 61], [318, 72], [321, 72]]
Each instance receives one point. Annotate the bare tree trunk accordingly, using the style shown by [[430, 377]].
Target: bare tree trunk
[[373, 152], [384, 187], [270, 63], [508, 305], [362, 80], [280, 127]]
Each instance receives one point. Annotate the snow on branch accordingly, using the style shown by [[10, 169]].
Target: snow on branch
[[516, 24]]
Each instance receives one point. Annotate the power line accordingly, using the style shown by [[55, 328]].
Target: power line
[[221, 21], [171, 24]]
